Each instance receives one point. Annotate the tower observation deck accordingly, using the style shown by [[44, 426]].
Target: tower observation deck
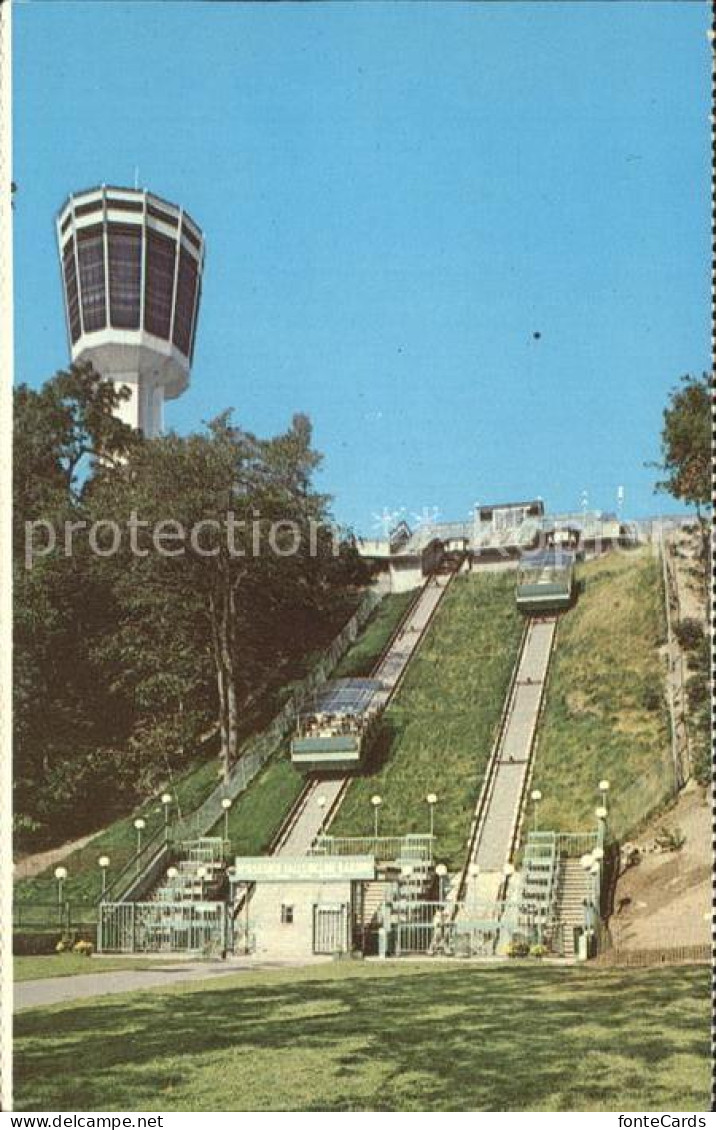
[[132, 266]]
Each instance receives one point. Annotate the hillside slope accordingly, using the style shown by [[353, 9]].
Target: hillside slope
[[438, 732], [605, 711]]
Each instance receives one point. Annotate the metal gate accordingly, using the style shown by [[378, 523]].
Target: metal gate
[[460, 929], [162, 927], [331, 928]]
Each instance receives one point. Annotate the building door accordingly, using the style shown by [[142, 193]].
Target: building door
[[331, 929]]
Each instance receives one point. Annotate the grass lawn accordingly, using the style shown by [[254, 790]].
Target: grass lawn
[[440, 728], [605, 708], [369, 1037], [70, 964]]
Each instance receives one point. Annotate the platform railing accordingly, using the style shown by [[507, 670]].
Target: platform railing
[[408, 848]]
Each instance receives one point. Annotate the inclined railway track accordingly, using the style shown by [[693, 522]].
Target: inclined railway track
[[321, 797]]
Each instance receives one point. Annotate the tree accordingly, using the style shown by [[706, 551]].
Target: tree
[[686, 442], [252, 562], [62, 711], [686, 448], [127, 663]]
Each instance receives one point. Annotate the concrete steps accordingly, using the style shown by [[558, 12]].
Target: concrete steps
[[573, 889]]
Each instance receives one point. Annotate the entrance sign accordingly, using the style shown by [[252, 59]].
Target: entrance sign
[[303, 869]]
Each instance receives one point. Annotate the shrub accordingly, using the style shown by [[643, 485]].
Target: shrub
[[518, 949], [83, 948], [538, 950], [651, 695], [670, 839], [690, 634]]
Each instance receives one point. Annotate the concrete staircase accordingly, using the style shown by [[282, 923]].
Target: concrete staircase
[[200, 877], [572, 891], [368, 916]]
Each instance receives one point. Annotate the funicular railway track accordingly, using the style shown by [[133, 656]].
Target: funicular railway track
[[321, 797]]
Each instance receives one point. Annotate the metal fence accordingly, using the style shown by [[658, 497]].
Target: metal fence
[[32, 916], [467, 929], [161, 927], [665, 955], [48, 917], [415, 848]]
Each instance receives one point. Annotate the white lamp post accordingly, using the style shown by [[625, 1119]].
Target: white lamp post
[[601, 812], [60, 875], [202, 874], [376, 801], [166, 801], [104, 864], [432, 800], [604, 789], [441, 872], [226, 805], [536, 798], [139, 824]]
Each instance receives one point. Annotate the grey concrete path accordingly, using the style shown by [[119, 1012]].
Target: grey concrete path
[[58, 990]]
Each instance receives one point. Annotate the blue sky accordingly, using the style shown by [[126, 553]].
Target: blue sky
[[396, 198]]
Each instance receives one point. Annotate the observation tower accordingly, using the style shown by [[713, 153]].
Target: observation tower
[[132, 266]]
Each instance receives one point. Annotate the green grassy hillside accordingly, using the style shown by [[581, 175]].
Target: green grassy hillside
[[439, 730], [605, 709]]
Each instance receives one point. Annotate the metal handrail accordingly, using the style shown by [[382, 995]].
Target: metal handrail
[[416, 846], [134, 868]]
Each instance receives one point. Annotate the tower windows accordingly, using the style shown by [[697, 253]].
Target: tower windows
[[90, 255], [71, 292], [125, 273], [159, 286], [186, 297]]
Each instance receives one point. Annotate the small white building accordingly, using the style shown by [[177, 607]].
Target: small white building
[[298, 906]]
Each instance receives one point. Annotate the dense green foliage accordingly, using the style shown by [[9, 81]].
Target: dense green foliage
[[695, 643], [686, 441], [438, 733], [605, 710], [379, 1036], [126, 661]]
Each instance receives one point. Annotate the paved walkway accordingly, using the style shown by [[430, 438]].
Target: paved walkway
[[57, 990]]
